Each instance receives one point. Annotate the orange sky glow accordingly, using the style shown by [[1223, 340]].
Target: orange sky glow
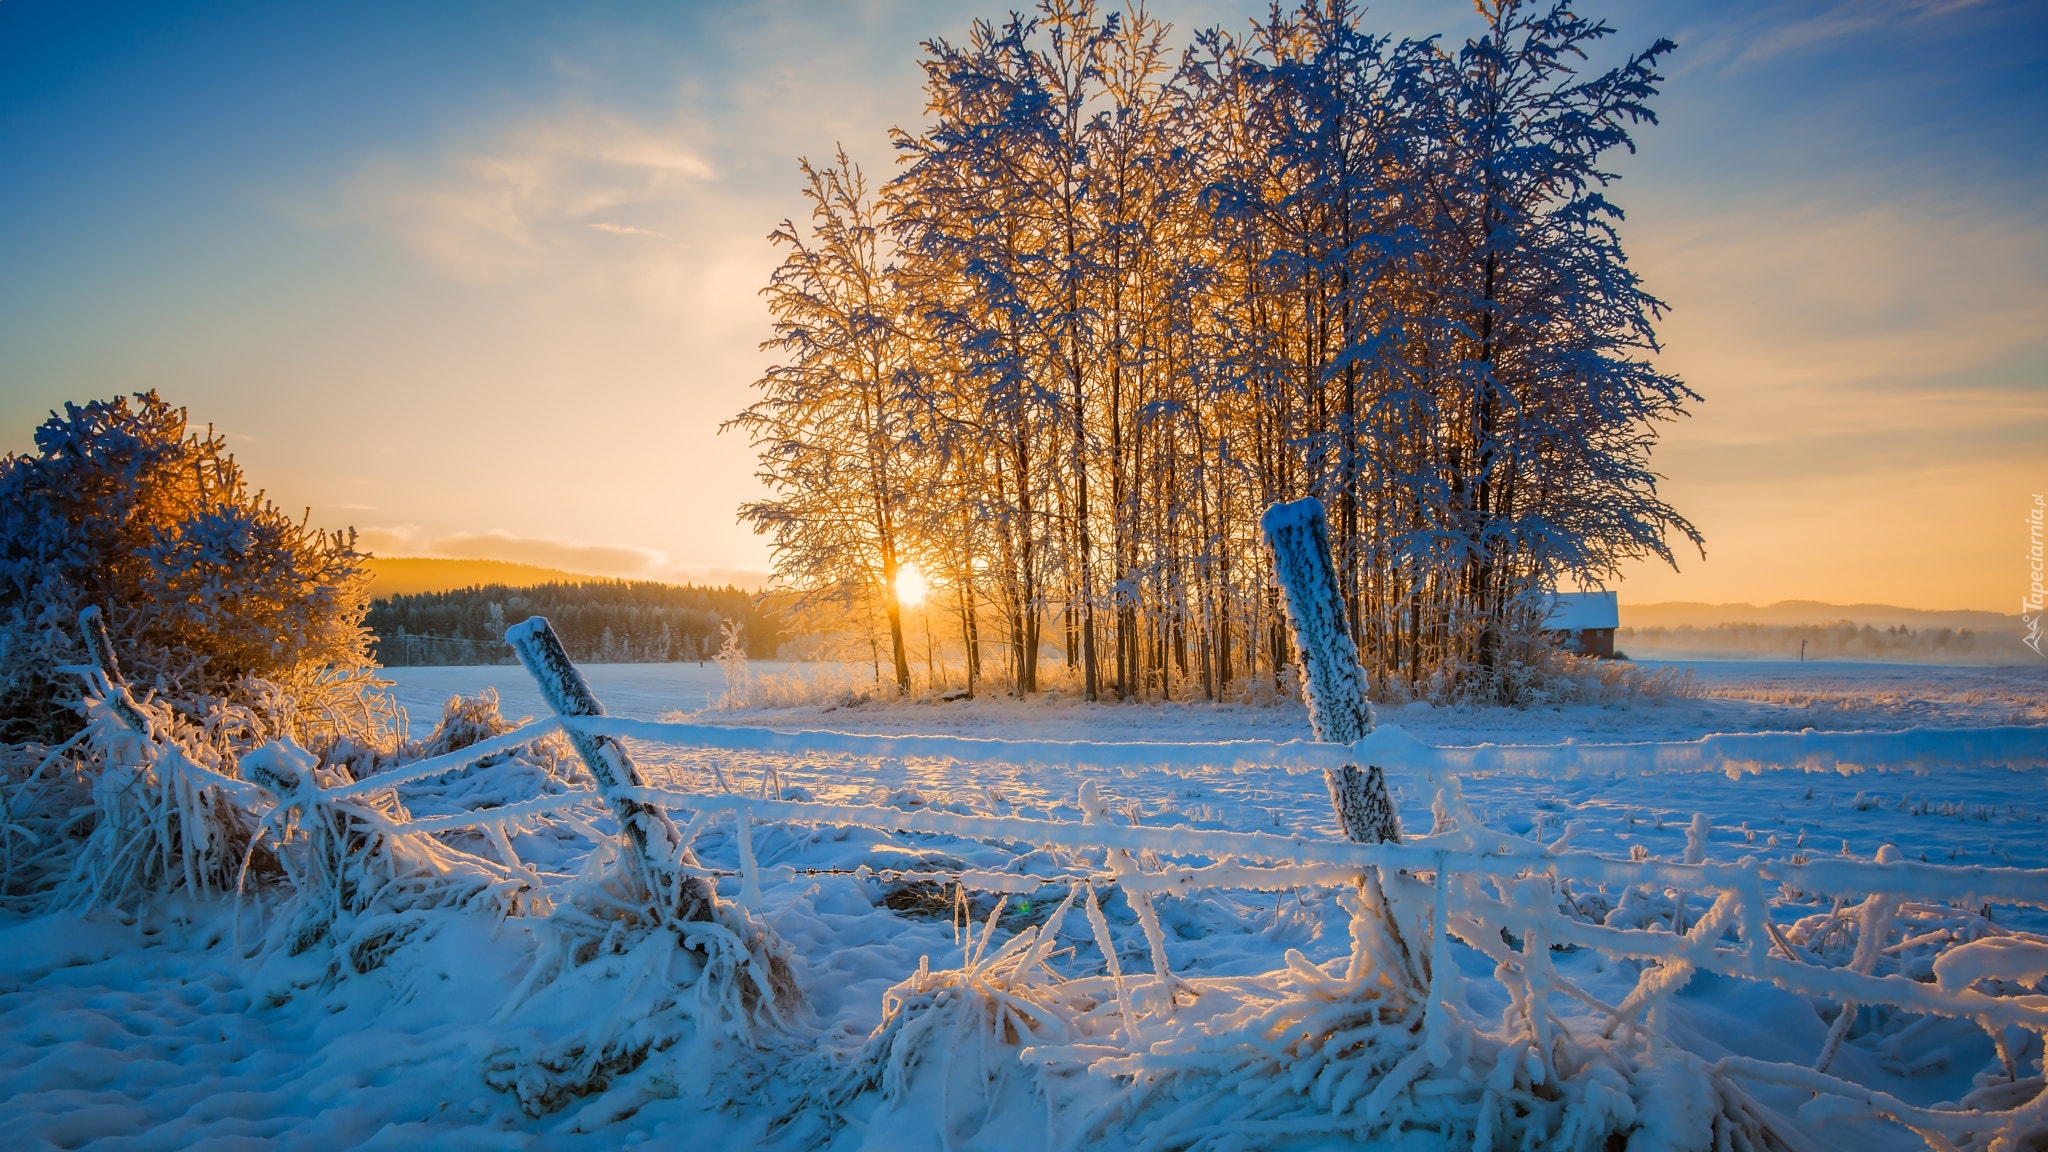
[[503, 317]]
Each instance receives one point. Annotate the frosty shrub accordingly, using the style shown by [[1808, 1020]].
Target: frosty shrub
[[1529, 670], [143, 803], [732, 660], [1539, 673], [827, 686], [212, 594]]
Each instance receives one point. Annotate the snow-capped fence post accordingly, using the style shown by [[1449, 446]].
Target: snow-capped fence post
[[647, 827], [1332, 680]]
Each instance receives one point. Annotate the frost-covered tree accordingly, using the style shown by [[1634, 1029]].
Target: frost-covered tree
[[1141, 299], [833, 424], [1534, 333], [980, 260], [206, 586]]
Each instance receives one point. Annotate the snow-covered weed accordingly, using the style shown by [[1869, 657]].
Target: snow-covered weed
[[1534, 673], [732, 660], [825, 686], [1386, 1050], [359, 880], [465, 720], [144, 804], [349, 860], [158, 822], [655, 979], [971, 1022], [45, 811]]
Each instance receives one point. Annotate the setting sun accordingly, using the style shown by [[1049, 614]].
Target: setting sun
[[910, 586]]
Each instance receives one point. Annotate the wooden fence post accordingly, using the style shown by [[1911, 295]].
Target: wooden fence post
[[647, 827], [1332, 679]]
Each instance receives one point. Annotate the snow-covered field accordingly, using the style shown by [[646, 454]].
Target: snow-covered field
[[150, 1031], [1737, 696]]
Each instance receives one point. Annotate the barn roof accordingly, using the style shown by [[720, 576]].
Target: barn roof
[[1573, 611]]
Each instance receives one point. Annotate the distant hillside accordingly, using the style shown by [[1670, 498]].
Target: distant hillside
[[1692, 614], [408, 575]]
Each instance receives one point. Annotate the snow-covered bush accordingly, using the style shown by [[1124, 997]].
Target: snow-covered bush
[[143, 804], [212, 594], [132, 805], [1531, 672], [616, 980]]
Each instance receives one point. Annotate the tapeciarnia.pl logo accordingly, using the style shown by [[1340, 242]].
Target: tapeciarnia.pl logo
[[2030, 607]]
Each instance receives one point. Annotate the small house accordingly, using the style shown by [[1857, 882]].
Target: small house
[[1584, 622]]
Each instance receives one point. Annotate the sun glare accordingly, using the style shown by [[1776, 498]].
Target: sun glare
[[910, 586]]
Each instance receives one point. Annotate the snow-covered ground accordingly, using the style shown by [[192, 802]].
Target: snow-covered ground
[[641, 690], [149, 1032]]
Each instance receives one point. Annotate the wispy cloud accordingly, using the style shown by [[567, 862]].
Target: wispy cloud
[[1794, 29], [525, 205], [1846, 20], [625, 562], [574, 555], [1910, 296], [628, 230]]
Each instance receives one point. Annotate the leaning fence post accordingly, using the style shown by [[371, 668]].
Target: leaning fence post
[[647, 827], [1332, 680]]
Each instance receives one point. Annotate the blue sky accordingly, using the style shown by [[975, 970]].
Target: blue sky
[[481, 279]]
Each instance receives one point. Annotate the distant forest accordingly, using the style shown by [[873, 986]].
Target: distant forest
[[602, 622]]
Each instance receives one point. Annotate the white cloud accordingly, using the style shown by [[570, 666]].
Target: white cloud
[[391, 540]]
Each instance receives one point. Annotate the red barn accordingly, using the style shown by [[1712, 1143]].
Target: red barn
[[1584, 622]]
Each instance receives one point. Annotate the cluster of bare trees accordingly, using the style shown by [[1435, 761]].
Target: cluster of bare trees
[[1120, 297]]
